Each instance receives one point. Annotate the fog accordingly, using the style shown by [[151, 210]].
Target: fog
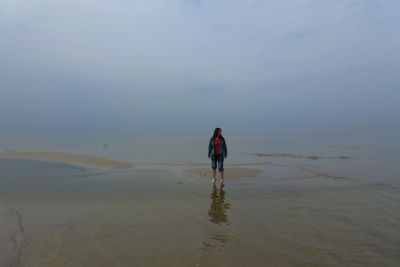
[[286, 62]]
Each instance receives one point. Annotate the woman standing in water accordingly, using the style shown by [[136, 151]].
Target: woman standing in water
[[217, 151]]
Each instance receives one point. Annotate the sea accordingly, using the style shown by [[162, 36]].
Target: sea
[[325, 197]]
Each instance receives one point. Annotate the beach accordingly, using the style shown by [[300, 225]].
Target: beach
[[122, 203]]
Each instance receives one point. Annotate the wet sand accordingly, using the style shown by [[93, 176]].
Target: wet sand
[[236, 172], [289, 215], [10, 236], [87, 160]]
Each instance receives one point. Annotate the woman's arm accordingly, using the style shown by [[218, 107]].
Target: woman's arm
[[225, 148], [210, 146]]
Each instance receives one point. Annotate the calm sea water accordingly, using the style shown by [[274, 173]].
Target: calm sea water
[[299, 212]]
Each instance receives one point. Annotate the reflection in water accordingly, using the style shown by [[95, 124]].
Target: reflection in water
[[218, 206], [217, 213]]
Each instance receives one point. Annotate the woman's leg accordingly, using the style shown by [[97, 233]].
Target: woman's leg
[[221, 167], [213, 167]]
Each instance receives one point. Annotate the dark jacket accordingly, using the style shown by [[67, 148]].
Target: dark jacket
[[223, 148]]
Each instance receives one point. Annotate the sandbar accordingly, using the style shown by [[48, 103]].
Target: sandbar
[[229, 173], [88, 160], [298, 156]]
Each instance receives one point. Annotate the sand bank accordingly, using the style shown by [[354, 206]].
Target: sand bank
[[229, 173], [70, 157], [297, 156]]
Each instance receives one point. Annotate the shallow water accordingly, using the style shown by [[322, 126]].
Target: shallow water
[[74, 216], [301, 211]]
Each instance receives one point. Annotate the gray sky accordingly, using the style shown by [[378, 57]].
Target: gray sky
[[178, 61]]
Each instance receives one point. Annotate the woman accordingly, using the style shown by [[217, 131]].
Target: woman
[[217, 151]]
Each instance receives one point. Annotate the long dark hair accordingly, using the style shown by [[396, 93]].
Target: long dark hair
[[215, 135]]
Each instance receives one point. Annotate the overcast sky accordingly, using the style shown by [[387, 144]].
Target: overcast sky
[[177, 61]]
